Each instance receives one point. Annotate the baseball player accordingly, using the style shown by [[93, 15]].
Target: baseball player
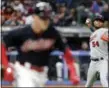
[[99, 53], [34, 44]]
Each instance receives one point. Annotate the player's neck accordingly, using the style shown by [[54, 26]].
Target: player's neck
[[40, 27]]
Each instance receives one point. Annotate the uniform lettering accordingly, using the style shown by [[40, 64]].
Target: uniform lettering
[[95, 44], [37, 45]]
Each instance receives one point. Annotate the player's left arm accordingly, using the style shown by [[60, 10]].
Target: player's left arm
[[105, 36], [6, 68]]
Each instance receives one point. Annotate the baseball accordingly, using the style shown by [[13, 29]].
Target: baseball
[[88, 20]]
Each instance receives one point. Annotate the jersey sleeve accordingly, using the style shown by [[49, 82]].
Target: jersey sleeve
[[105, 36], [11, 38], [92, 29], [4, 58]]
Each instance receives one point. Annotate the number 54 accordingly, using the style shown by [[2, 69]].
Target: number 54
[[95, 44]]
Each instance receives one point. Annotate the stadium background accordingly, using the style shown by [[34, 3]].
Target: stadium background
[[69, 18]]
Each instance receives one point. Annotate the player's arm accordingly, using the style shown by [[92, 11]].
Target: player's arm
[[9, 40], [92, 29], [105, 36], [89, 24], [68, 57], [6, 68]]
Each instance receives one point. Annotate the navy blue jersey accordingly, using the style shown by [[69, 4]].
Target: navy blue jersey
[[17, 38]]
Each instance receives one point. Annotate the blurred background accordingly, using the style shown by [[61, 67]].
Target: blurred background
[[69, 17]]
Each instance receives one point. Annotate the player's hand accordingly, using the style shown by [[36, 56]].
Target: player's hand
[[88, 22]]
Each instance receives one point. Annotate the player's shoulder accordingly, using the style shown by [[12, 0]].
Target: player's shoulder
[[18, 30], [23, 28], [101, 30]]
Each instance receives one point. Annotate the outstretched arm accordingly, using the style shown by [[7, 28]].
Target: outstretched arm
[[89, 24]]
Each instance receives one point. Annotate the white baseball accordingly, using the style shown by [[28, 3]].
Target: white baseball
[[88, 21]]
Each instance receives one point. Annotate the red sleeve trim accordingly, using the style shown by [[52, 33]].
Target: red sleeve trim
[[4, 58]]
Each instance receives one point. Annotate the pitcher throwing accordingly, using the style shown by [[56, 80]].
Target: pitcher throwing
[[99, 54]]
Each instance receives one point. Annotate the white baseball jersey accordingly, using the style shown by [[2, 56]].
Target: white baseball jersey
[[99, 47]]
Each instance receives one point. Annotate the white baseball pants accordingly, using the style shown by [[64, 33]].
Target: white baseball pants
[[101, 67], [26, 77]]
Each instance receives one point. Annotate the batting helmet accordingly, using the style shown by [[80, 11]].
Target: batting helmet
[[43, 9]]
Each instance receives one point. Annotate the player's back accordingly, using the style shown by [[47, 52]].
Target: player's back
[[98, 47]]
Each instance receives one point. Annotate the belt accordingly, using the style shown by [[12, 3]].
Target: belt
[[97, 59], [36, 68]]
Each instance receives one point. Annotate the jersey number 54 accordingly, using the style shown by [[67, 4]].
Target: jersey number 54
[[95, 44]]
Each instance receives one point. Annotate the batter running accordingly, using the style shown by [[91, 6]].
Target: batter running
[[34, 44]]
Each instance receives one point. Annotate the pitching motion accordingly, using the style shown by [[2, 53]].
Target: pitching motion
[[99, 40]]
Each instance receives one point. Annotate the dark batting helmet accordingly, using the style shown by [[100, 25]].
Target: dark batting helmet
[[43, 10]]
